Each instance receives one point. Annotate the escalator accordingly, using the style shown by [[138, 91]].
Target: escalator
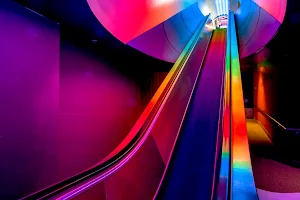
[[137, 165], [174, 149], [191, 172]]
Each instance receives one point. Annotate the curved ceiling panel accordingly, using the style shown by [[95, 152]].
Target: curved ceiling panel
[[128, 19], [243, 12], [177, 31], [170, 37], [233, 5], [276, 8], [180, 39], [265, 30], [161, 28], [159, 48], [191, 17], [255, 26], [207, 7], [246, 25]]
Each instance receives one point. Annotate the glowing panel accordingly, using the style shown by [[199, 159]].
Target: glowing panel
[[266, 28], [207, 6], [222, 7], [276, 8], [171, 36], [256, 27], [128, 19], [160, 49], [243, 186]]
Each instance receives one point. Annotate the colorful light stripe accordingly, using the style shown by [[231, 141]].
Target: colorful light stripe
[[177, 67], [222, 191], [242, 185]]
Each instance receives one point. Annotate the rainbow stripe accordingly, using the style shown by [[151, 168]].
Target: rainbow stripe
[[225, 159], [243, 186], [162, 90]]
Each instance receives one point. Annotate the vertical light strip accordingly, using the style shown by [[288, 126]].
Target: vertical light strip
[[222, 190], [226, 6], [217, 7], [243, 186], [221, 7]]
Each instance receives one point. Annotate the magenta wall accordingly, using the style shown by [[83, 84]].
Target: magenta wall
[[98, 107], [62, 110]]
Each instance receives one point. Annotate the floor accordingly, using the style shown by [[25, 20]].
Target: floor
[[273, 179]]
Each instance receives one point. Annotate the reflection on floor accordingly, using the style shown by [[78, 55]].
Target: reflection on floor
[[273, 179]]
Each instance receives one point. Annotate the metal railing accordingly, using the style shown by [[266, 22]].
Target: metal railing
[[269, 117], [275, 121]]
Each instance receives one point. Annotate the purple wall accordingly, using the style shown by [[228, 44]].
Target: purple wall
[[29, 75], [62, 110]]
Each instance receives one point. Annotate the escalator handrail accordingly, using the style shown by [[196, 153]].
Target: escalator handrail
[[270, 118], [172, 150], [134, 148], [219, 145], [218, 153], [113, 159], [274, 120]]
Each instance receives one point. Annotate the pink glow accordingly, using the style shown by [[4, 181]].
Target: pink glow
[[170, 36], [276, 8], [128, 19]]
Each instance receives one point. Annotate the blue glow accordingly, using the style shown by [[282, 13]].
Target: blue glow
[[221, 7]]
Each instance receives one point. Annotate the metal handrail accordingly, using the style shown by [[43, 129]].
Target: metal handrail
[[274, 120], [266, 114]]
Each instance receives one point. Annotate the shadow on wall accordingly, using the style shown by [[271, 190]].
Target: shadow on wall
[[62, 110]]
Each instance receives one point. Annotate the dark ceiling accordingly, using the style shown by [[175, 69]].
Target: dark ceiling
[[76, 19], [80, 26]]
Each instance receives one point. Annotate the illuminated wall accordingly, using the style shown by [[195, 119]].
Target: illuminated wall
[[265, 94]]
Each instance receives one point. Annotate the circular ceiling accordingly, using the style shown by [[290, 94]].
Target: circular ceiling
[[162, 28]]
